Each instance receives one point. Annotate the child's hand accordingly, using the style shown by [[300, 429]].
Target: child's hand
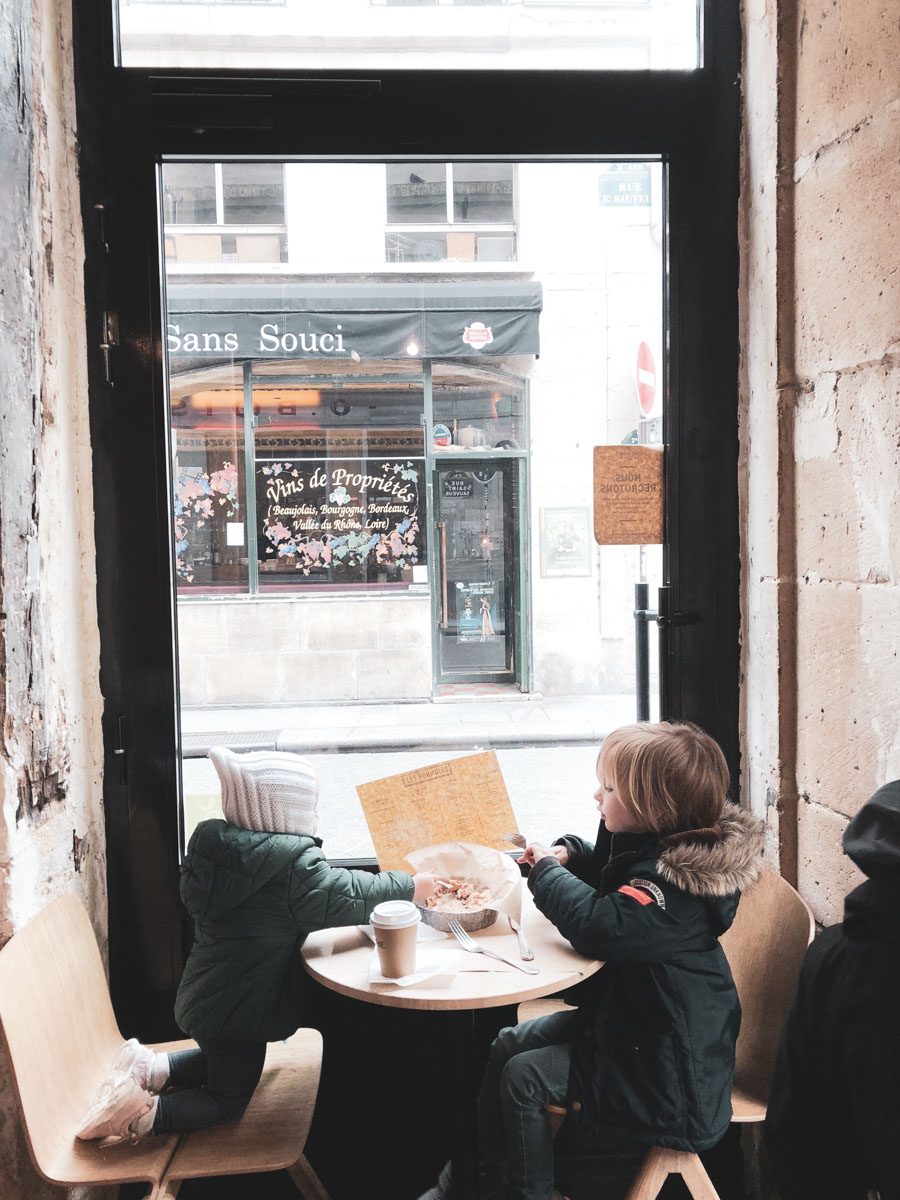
[[533, 852], [427, 885], [561, 853]]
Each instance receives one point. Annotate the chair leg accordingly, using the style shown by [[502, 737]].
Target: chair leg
[[698, 1182], [306, 1180], [166, 1189], [660, 1163], [652, 1174]]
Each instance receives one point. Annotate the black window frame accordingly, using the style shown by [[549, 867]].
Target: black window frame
[[128, 118]]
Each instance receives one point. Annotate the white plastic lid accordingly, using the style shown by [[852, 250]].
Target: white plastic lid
[[395, 912]]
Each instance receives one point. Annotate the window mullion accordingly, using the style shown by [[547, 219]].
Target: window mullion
[[220, 195]]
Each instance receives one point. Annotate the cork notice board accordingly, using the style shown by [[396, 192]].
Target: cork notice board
[[463, 800], [628, 495]]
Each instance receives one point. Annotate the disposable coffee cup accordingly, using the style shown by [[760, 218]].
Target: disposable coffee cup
[[394, 923]]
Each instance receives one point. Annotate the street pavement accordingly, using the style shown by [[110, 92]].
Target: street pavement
[[508, 719], [546, 750]]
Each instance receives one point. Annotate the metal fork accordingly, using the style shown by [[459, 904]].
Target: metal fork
[[470, 944]]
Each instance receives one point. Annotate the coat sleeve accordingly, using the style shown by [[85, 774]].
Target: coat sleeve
[[322, 896], [580, 855], [633, 924]]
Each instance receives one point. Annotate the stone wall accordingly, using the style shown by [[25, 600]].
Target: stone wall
[[51, 825], [300, 650], [820, 466]]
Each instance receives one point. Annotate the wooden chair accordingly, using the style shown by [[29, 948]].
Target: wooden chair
[[61, 1036], [765, 948]]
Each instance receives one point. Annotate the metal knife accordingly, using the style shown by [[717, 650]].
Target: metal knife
[[524, 949]]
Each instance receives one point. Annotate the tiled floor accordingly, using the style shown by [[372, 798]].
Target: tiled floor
[[506, 690]]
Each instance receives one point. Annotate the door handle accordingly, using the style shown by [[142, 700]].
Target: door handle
[[441, 526], [665, 618]]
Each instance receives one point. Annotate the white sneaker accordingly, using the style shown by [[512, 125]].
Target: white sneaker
[[136, 1062], [124, 1110]]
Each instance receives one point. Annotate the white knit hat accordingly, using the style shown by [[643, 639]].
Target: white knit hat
[[268, 791]]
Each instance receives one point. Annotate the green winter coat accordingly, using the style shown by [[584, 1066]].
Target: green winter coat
[[653, 1061], [254, 897]]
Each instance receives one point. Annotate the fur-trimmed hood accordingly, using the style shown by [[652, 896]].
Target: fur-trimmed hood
[[729, 864]]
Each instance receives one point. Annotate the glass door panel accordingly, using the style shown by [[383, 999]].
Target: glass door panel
[[478, 537]]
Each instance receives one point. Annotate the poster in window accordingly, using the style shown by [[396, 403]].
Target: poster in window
[[340, 521], [565, 541], [476, 611]]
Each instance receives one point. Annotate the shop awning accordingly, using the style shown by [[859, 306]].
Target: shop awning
[[343, 320]]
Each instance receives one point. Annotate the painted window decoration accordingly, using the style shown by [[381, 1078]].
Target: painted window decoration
[[206, 516], [340, 521]]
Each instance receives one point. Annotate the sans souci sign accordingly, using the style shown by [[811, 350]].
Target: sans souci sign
[[270, 337], [354, 336]]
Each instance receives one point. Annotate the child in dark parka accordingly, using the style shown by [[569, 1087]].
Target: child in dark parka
[[255, 884], [647, 1057]]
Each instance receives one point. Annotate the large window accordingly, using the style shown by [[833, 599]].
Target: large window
[[283, 481], [325, 91]]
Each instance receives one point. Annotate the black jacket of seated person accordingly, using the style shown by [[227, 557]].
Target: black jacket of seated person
[[833, 1124], [653, 1062]]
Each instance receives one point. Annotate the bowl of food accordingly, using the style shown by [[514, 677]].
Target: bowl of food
[[479, 881], [463, 900]]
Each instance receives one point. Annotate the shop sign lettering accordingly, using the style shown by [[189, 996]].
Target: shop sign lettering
[[270, 338], [341, 521]]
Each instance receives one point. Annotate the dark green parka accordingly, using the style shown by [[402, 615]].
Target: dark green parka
[[653, 1061], [254, 897]]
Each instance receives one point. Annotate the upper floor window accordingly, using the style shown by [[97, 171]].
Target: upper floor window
[[224, 213], [461, 212]]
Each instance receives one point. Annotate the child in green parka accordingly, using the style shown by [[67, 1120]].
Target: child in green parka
[[255, 884], [647, 1057]]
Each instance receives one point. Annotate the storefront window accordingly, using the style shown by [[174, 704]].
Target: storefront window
[[210, 509], [478, 410], [336, 486], [339, 480]]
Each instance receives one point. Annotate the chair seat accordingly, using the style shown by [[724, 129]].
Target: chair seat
[[273, 1129], [746, 1107], [61, 1036]]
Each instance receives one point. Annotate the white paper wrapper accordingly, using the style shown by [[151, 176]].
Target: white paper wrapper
[[495, 873], [428, 964]]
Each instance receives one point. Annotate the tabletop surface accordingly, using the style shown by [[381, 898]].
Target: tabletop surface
[[340, 959]]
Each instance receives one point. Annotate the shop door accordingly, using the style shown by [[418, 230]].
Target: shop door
[[479, 635]]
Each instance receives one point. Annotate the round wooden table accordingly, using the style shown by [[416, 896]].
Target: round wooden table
[[340, 959]]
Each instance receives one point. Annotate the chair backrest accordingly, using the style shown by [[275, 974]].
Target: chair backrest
[[765, 948], [58, 1025]]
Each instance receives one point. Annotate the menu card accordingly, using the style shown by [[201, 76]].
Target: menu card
[[462, 800]]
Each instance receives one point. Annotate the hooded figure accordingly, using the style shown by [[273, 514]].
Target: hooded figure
[[833, 1125]]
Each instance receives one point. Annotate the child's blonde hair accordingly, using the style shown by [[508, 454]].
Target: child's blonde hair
[[669, 776]]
